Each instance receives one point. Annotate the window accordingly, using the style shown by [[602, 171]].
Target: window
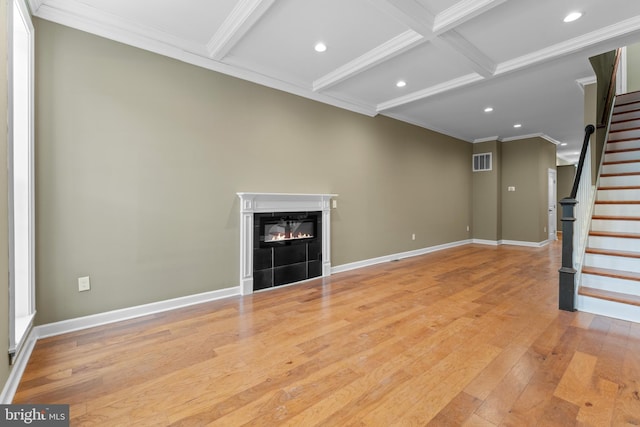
[[21, 176], [482, 162]]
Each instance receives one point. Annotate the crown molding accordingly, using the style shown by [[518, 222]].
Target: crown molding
[[461, 12], [487, 139], [238, 23], [91, 20], [375, 56], [571, 46], [529, 136], [430, 91]]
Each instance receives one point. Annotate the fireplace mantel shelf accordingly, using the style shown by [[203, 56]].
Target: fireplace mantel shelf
[[251, 203]]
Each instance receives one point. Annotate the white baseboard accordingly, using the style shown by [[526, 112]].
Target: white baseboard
[[392, 257], [85, 322], [21, 360], [511, 242], [526, 244], [485, 242], [100, 319]]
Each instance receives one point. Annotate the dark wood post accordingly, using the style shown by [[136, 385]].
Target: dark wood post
[[567, 292]]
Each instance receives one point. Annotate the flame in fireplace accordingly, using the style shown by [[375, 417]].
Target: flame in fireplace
[[288, 236]]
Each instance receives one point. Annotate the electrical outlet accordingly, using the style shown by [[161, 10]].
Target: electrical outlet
[[84, 284], [334, 202], [467, 228], [413, 236]]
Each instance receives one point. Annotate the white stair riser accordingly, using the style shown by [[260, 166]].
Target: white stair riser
[[627, 134], [625, 155], [628, 124], [623, 145], [616, 226], [621, 168], [616, 210], [619, 181], [624, 116], [602, 307], [618, 195], [621, 108], [614, 243], [626, 98], [612, 262], [611, 284]]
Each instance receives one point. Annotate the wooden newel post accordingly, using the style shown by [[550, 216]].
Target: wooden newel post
[[567, 291]]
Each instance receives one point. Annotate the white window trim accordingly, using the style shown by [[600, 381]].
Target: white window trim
[[18, 328]]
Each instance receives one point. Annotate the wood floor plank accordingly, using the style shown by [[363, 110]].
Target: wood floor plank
[[465, 336]]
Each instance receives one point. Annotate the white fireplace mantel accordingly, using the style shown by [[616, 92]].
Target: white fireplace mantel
[[251, 203]]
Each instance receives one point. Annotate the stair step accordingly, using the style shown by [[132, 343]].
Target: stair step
[[624, 108], [618, 167], [616, 234], [616, 274], [622, 115], [623, 145], [626, 155], [620, 180], [610, 261], [624, 134], [620, 187], [616, 208], [609, 175], [625, 124], [610, 295], [615, 224], [618, 193], [627, 98], [616, 218], [608, 252], [623, 150]]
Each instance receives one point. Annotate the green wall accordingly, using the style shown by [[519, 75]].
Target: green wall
[[525, 165], [633, 67], [566, 175], [486, 196], [139, 158]]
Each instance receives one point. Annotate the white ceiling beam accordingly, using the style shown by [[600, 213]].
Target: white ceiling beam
[[409, 12], [573, 45], [430, 91], [241, 19], [454, 41], [375, 56], [461, 12]]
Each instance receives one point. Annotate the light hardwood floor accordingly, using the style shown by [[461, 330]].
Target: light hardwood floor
[[466, 336]]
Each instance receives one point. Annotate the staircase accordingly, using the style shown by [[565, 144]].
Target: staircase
[[610, 281]]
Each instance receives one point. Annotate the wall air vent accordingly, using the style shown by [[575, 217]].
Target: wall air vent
[[482, 162]]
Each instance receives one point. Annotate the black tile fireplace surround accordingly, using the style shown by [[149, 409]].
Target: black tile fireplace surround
[[287, 248]]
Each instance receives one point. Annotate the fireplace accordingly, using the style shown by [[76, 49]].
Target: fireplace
[[284, 238], [287, 248]]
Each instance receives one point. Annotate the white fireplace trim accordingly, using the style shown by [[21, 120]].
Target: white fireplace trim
[[251, 203]]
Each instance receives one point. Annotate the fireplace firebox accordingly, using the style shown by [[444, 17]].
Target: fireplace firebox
[[287, 248], [287, 229]]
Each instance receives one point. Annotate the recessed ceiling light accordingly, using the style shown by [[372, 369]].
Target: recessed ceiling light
[[572, 16], [401, 83], [320, 47], [488, 109], [517, 125], [564, 144]]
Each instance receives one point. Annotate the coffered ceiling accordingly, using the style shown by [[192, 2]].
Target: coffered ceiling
[[456, 57]]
